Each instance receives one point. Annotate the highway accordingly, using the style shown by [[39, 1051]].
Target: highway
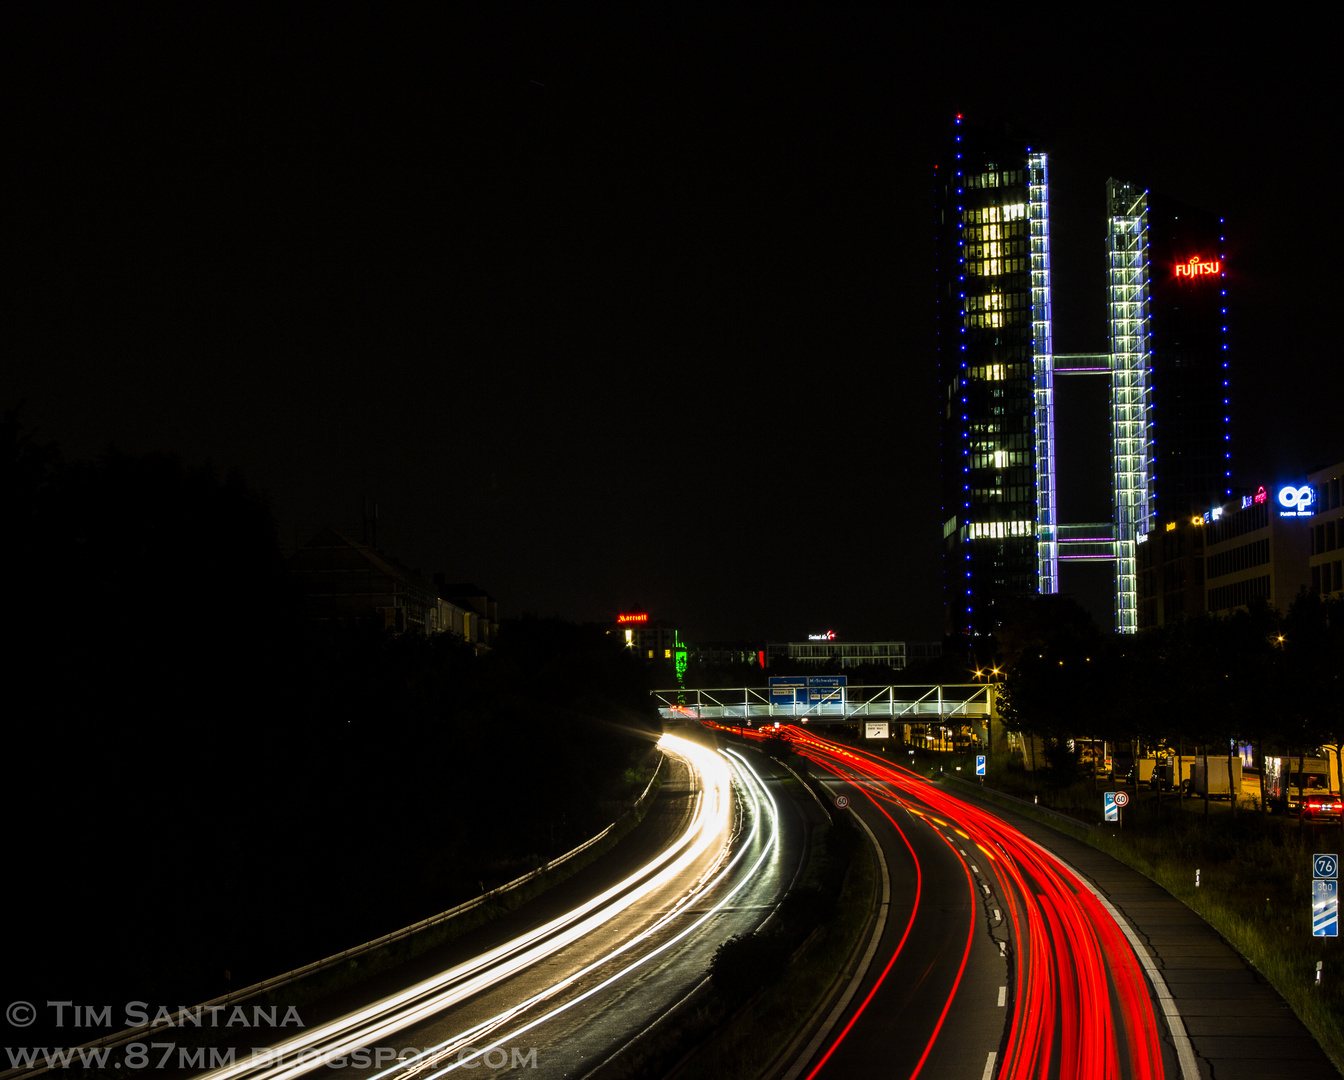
[[563, 996], [995, 960]]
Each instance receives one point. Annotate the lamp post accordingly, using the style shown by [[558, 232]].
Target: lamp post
[[996, 675], [990, 675]]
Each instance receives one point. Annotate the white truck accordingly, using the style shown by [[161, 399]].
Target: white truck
[[1141, 772], [1219, 782], [1288, 779]]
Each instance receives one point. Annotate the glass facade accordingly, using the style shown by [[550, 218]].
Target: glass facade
[[1192, 424], [994, 340], [1128, 298], [1170, 405]]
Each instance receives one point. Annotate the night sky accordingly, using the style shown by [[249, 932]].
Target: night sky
[[601, 314]]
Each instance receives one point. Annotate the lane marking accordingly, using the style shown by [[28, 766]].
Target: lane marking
[[884, 908], [1003, 996], [989, 1066]]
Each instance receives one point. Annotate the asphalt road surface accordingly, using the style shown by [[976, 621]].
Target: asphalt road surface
[[995, 959], [558, 997]]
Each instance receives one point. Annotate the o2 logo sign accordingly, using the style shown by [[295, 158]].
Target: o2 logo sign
[[1296, 501]]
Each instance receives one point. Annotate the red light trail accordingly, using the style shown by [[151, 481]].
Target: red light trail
[[1080, 1005]]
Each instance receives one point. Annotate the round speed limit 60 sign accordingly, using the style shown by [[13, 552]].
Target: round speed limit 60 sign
[[842, 801], [1122, 798]]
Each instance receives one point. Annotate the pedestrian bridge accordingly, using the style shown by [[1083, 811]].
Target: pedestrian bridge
[[843, 704]]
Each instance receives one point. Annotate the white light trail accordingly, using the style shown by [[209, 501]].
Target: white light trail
[[770, 850], [336, 1040]]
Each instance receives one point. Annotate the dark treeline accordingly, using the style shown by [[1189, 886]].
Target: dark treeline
[[1258, 676], [199, 781]]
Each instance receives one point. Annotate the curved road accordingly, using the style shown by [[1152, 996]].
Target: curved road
[[562, 997], [995, 960]]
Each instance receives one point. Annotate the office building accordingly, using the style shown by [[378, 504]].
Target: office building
[[1255, 548], [993, 311], [1268, 545], [650, 638], [1170, 566], [1327, 531], [1167, 366], [847, 654]]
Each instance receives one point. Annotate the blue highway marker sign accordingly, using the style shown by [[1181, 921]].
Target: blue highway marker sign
[[1324, 908]]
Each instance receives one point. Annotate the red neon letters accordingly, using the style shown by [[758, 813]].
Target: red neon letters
[[1195, 268]]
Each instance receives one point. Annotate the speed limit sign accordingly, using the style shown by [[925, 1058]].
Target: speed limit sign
[[841, 801], [1122, 798]]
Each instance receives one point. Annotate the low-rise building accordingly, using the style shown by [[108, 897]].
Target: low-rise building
[[477, 610], [650, 638], [345, 580], [825, 648], [1171, 572], [1256, 548]]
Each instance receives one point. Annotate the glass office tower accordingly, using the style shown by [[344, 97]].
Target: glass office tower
[[1170, 398], [1170, 406], [994, 343], [1192, 421]]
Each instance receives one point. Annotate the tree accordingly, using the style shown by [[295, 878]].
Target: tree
[[1056, 672]]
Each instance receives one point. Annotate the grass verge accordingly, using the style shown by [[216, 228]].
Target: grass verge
[[1254, 875], [1255, 890]]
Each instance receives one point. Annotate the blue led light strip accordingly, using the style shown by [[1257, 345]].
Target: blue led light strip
[[1047, 520]]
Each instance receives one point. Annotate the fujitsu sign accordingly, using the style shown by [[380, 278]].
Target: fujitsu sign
[[1196, 268]]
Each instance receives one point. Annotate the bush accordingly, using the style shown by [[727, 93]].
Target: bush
[[1063, 761], [746, 962]]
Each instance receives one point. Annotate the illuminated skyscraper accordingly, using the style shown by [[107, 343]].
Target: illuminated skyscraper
[[1167, 367], [993, 268], [1170, 398]]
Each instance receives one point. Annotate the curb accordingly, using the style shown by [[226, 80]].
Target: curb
[[838, 1000]]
